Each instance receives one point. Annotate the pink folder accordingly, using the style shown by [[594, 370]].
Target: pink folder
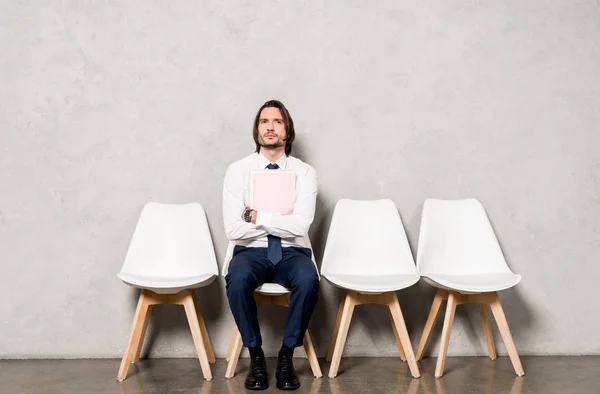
[[274, 191]]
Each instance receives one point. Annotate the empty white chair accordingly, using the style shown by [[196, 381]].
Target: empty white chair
[[170, 254], [268, 294], [460, 255], [368, 255]]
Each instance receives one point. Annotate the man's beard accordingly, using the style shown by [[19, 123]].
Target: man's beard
[[275, 145], [272, 146]]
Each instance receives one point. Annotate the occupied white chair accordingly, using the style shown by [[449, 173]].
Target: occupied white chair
[[368, 255], [267, 294], [460, 255], [170, 254]]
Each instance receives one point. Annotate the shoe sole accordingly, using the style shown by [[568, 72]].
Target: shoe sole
[[290, 388], [256, 388]]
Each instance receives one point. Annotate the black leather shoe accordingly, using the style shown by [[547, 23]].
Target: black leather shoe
[[257, 375], [285, 374]]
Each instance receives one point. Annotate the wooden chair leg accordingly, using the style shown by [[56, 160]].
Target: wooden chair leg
[[236, 349], [336, 328], [435, 307], [400, 326], [209, 349], [448, 320], [138, 351], [487, 330], [311, 355], [135, 336], [398, 341], [191, 311], [232, 344], [342, 334], [506, 335]]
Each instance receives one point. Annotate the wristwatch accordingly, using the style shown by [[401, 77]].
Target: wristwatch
[[248, 215]]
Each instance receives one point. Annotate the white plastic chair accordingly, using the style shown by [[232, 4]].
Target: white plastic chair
[[170, 254], [460, 255], [267, 294], [368, 255]]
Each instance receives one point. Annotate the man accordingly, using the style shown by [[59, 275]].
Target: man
[[270, 247]]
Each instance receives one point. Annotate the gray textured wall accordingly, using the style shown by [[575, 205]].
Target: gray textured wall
[[105, 106]]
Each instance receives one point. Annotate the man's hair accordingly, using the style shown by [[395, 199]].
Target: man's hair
[[287, 122]]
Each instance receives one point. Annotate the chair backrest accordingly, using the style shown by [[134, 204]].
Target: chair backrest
[[456, 237], [232, 244], [171, 241], [367, 238]]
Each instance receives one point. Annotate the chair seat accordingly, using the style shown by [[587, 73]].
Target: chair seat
[[164, 285], [271, 289], [478, 283], [373, 284]]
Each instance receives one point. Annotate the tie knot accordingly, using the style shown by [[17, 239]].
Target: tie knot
[[273, 166]]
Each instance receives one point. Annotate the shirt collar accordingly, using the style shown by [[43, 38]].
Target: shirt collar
[[263, 162]]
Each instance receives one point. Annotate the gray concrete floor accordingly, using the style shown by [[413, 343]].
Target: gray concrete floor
[[463, 375]]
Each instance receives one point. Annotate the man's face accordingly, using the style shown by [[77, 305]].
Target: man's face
[[271, 129]]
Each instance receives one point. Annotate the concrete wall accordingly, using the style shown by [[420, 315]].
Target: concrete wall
[[105, 106]]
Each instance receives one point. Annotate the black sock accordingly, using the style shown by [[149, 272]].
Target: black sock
[[256, 352], [286, 351]]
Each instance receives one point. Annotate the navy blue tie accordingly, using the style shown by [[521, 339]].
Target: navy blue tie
[[274, 250]]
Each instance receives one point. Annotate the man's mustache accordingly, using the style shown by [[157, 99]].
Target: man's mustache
[[274, 135]]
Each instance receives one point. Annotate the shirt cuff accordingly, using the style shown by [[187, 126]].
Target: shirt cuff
[[265, 219]]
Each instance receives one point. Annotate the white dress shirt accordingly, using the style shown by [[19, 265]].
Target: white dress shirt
[[236, 197]]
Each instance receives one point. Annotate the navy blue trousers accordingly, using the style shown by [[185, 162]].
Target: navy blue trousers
[[249, 268]]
